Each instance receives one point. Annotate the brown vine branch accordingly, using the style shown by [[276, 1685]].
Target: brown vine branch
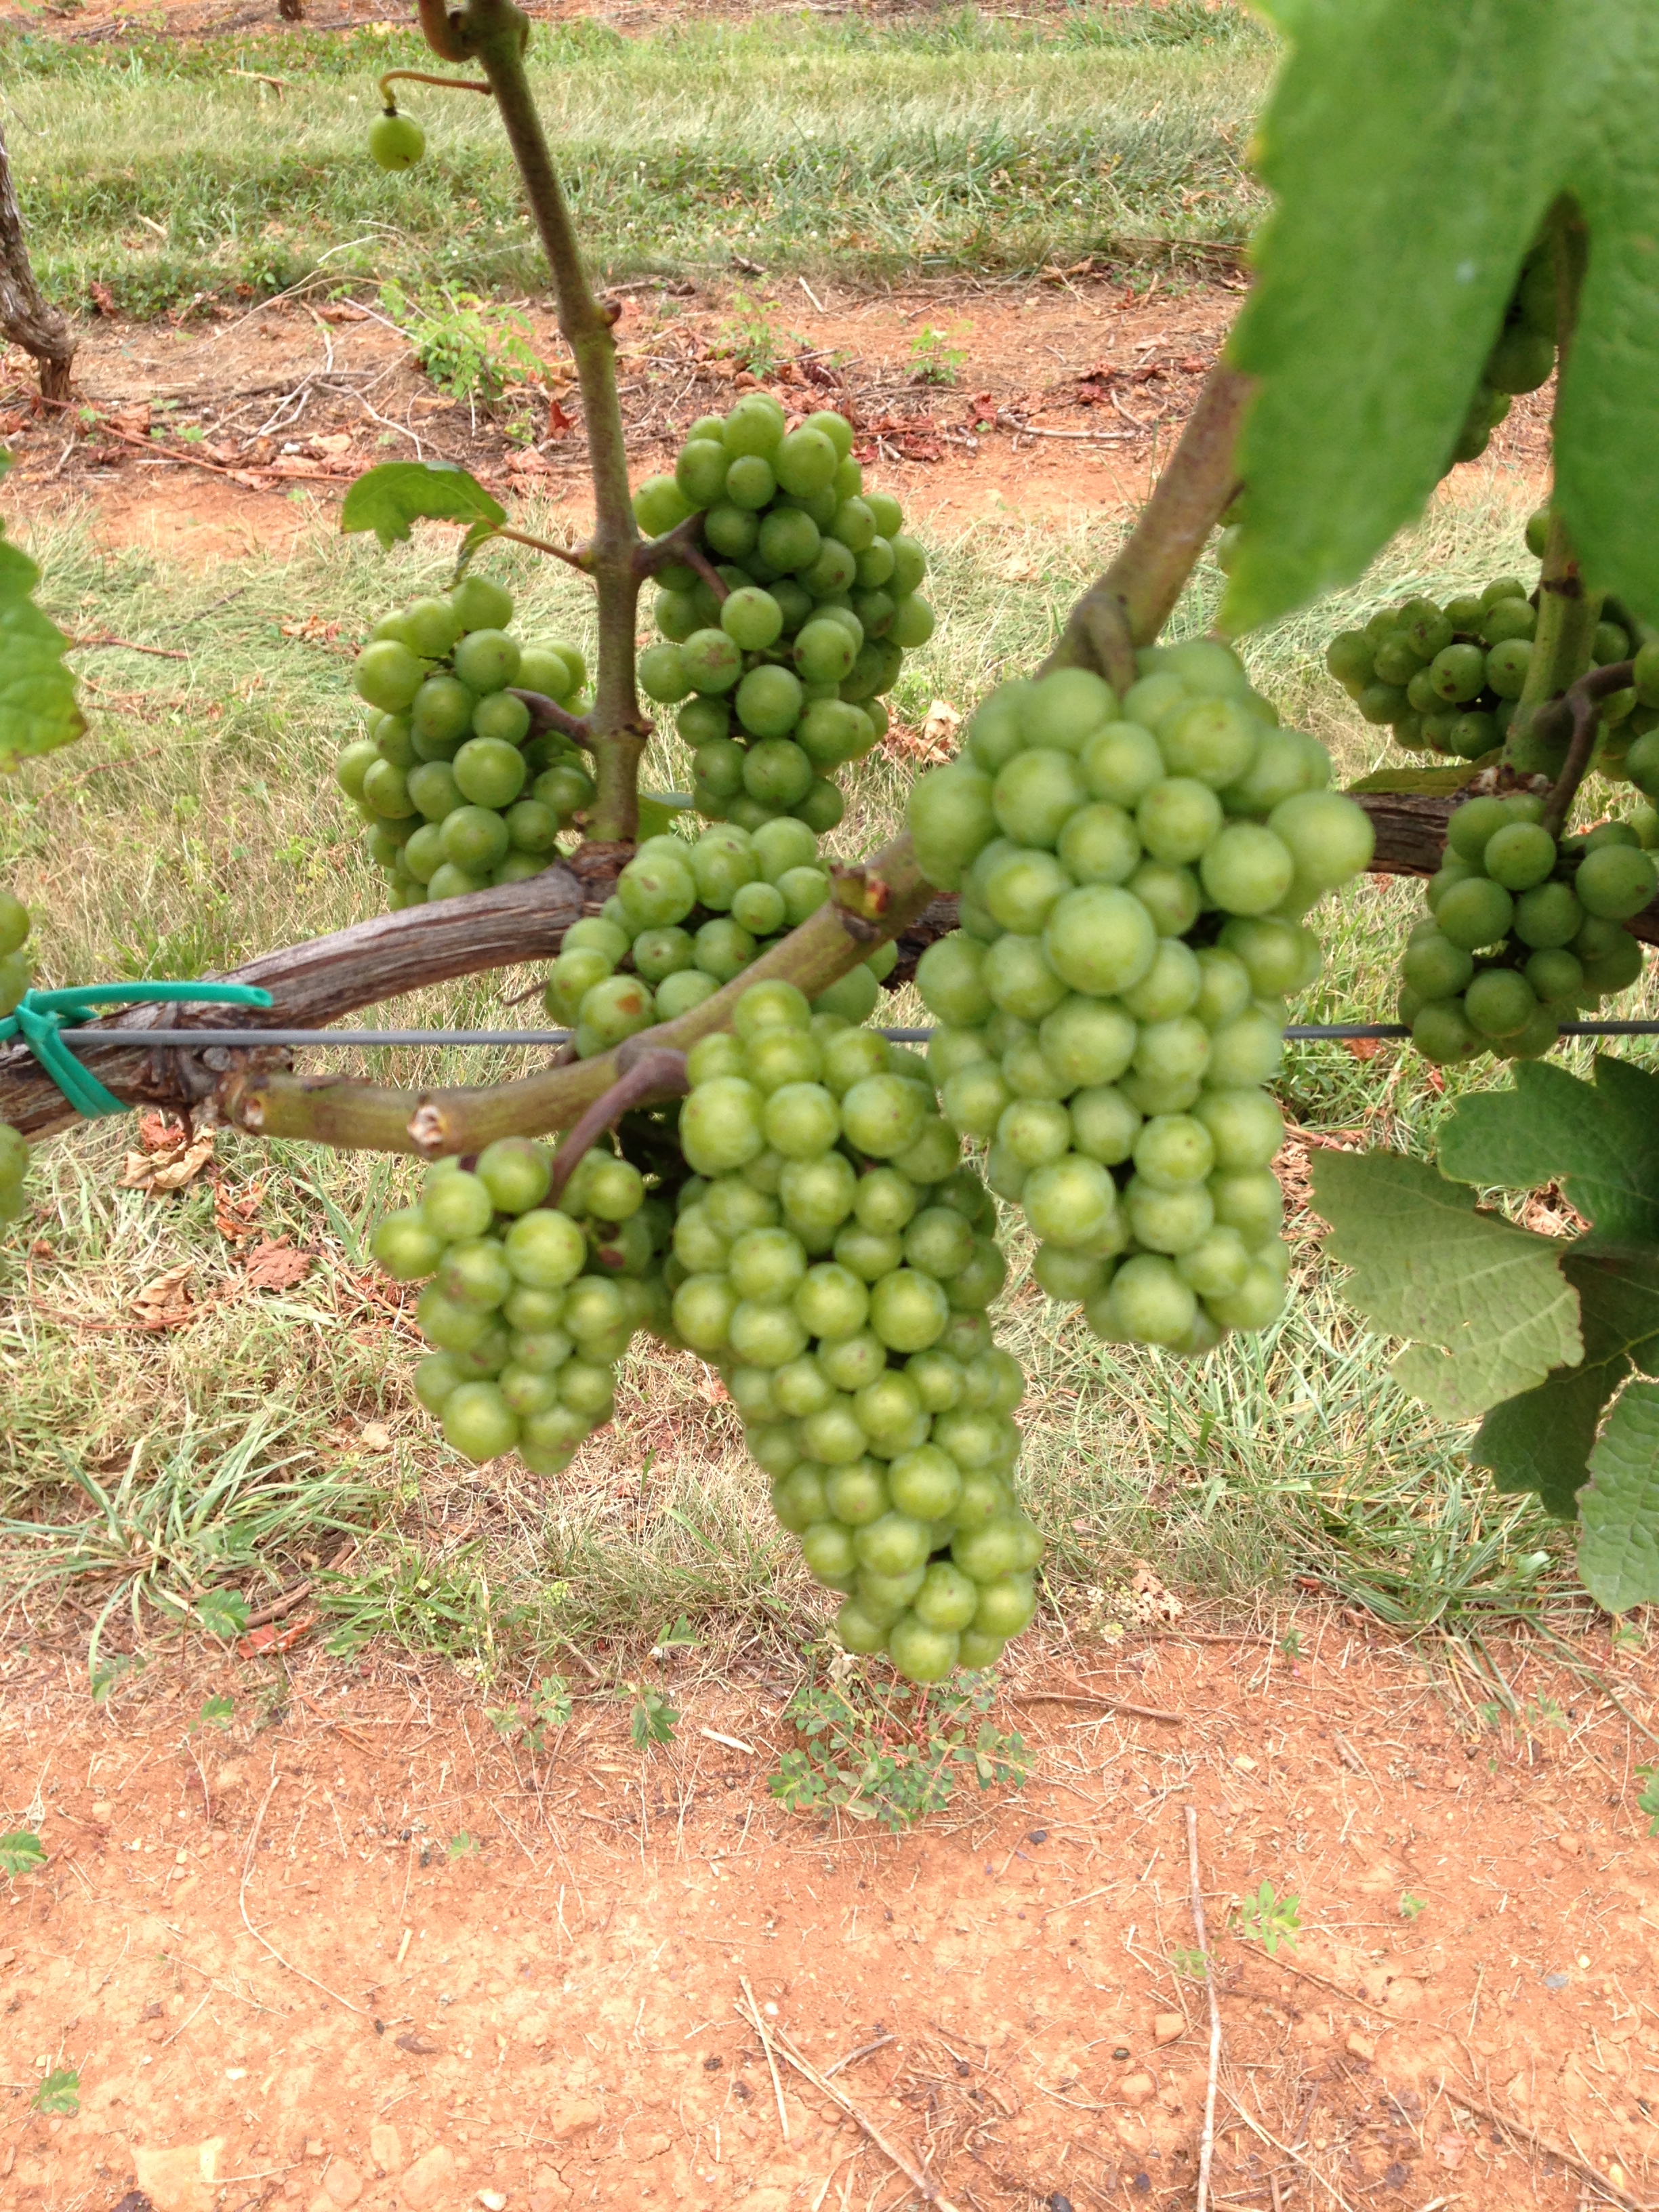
[[547, 715], [310, 985], [888, 891], [656, 1073], [1131, 603]]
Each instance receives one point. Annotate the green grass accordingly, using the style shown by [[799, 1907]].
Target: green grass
[[960, 141], [172, 839]]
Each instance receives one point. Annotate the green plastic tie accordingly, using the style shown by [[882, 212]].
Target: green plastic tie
[[39, 1015]]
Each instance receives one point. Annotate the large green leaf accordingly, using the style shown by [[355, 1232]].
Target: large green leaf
[[1619, 1551], [1413, 150], [389, 500], [38, 709], [1485, 1304], [1600, 1143], [1542, 1439]]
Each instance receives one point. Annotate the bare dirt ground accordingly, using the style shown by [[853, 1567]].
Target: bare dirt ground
[[354, 1950], [205, 437]]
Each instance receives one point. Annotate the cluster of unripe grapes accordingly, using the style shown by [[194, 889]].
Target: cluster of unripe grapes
[[1522, 355], [1448, 678], [1523, 930], [457, 791], [686, 918], [834, 1259], [1133, 875], [778, 684], [531, 1305], [16, 975]]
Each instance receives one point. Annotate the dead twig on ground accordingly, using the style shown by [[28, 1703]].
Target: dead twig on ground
[[241, 1906], [1206, 2141], [1109, 1705], [1575, 2158], [759, 2025], [928, 2191]]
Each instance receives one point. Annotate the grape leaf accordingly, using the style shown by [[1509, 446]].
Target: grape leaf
[[1435, 782], [1413, 152], [1484, 1304], [38, 709], [1600, 1143], [390, 499], [1542, 1439], [1619, 1550]]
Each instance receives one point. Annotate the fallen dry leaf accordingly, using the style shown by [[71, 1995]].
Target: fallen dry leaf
[[275, 1265], [558, 423], [233, 1212], [259, 1642], [1152, 1602], [375, 1436], [422, 2046], [167, 1165], [1450, 2150], [337, 441], [166, 1303]]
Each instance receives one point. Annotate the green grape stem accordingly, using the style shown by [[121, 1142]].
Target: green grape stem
[[683, 543], [494, 33], [657, 1072], [1578, 711], [546, 714], [1567, 617], [424, 77]]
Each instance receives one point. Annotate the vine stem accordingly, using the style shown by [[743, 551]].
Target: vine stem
[[1581, 708], [658, 1072], [871, 904], [494, 33], [547, 715], [425, 76], [573, 556], [1131, 603]]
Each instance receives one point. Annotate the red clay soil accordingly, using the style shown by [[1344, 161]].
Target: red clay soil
[[217, 435], [356, 1950]]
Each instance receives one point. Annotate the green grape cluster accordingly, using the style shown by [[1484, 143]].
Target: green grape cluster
[[530, 1306], [1522, 355], [1629, 751], [1132, 877], [1523, 932], [778, 685], [457, 792], [686, 919], [16, 973], [1448, 678], [834, 1258], [16, 968]]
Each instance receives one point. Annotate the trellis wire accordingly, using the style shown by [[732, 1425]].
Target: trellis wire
[[199, 1040]]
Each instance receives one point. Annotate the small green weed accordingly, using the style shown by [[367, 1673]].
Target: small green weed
[[750, 337], [548, 1706], [1648, 1801], [20, 1852], [461, 1846], [469, 348], [895, 1759], [1191, 1964], [934, 358], [59, 2095], [1267, 1919], [216, 1712], [652, 1719], [1411, 1907]]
